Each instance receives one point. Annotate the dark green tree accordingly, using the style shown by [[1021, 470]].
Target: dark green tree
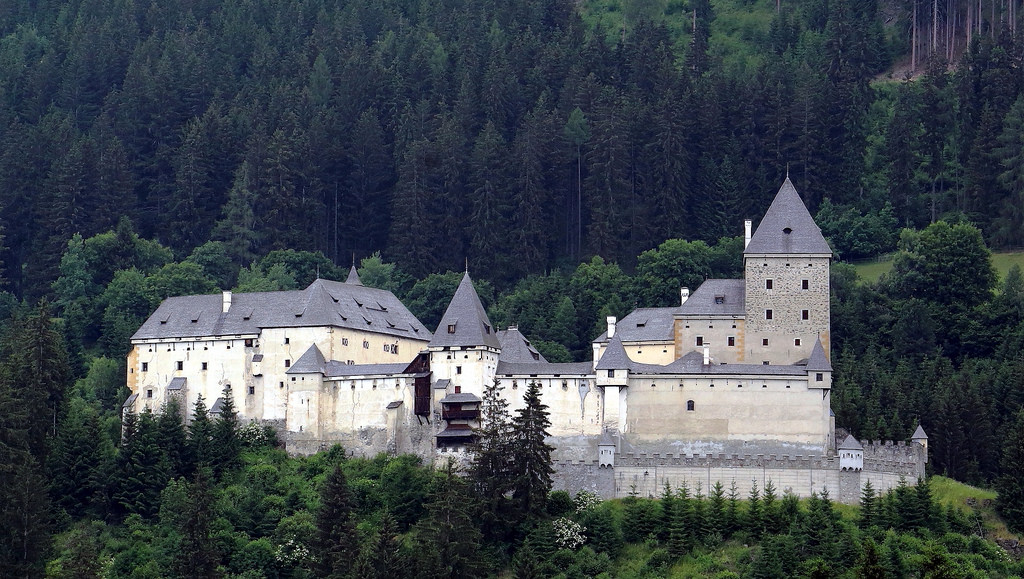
[[531, 458], [1010, 484], [224, 436], [196, 555], [337, 544]]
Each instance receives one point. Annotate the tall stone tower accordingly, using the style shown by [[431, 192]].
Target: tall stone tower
[[786, 265], [465, 347]]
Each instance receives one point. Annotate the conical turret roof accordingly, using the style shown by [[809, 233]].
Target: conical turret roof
[[353, 277], [311, 362], [465, 322], [818, 362], [787, 227], [614, 357], [919, 434], [850, 443]]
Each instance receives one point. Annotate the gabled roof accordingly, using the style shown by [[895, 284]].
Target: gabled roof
[[787, 227], [353, 277], [614, 357], [465, 322], [850, 443], [722, 297], [544, 368], [818, 362], [176, 383], [336, 369], [311, 362], [323, 303], [919, 434], [516, 349], [461, 398], [645, 325], [218, 406]]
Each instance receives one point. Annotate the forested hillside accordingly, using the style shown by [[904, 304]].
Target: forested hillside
[[440, 131]]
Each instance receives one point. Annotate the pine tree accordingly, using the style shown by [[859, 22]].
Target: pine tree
[[200, 435], [446, 541], [490, 471], [337, 544], [868, 506], [755, 518], [531, 459], [80, 463], [668, 513], [381, 558], [716, 511], [173, 439]]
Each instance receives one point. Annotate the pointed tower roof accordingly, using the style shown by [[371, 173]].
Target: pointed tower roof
[[517, 349], [465, 322], [787, 227], [818, 362], [850, 443], [312, 362], [615, 357], [919, 434], [353, 277]]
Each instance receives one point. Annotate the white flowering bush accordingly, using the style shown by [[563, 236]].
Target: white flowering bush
[[568, 533], [293, 553], [254, 434], [586, 500]]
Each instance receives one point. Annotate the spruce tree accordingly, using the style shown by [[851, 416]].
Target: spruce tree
[[490, 471], [336, 541], [381, 558], [531, 459], [868, 506], [446, 541], [716, 511], [1010, 485], [227, 447], [173, 439], [196, 556], [755, 520], [200, 435]]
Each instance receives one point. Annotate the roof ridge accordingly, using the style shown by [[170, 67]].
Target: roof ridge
[[787, 227], [465, 322]]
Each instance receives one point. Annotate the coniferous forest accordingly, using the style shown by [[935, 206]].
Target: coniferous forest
[[581, 159]]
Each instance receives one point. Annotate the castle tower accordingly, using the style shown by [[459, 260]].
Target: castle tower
[[786, 266], [464, 349]]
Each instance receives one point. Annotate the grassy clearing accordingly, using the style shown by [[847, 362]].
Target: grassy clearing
[[870, 271], [972, 500]]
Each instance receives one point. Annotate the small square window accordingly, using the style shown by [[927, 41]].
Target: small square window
[[287, 363], [805, 284], [796, 341], [611, 373], [248, 342], [149, 393], [719, 299], [765, 363], [458, 369], [819, 377], [145, 366], [732, 340], [287, 340], [451, 328], [805, 314], [700, 340], [689, 405], [280, 385], [181, 365], [764, 341], [344, 341], [204, 365], [252, 390], [768, 284], [767, 314]]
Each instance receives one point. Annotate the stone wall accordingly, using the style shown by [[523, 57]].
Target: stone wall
[[787, 299]]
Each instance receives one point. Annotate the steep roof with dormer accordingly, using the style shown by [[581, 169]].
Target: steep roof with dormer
[[465, 322], [516, 349], [323, 303], [787, 227]]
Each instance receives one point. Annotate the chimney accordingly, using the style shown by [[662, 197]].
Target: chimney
[[684, 294], [707, 356], [746, 232], [611, 327], [226, 303]]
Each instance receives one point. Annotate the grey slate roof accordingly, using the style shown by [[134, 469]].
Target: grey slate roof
[[919, 434], [545, 368], [787, 212], [323, 303], [336, 369], [730, 292], [353, 277], [614, 357], [311, 362], [218, 406], [644, 325], [460, 398], [130, 401], [516, 348], [693, 363], [850, 443], [606, 438], [818, 362], [442, 384], [393, 405], [466, 316], [456, 431], [176, 383]]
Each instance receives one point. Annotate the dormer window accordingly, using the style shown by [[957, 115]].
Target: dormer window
[[487, 329], [719, 299], [536, 356], [787, 231], [451, 328], [819, 377]]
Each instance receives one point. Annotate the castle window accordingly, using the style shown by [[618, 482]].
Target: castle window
[[689, 405], [149, 393], [787, 231], [280, 384], [768, 284], [805, 314], [819, 377], [344, 341], [796, 341], [287, 340], [700, 340], [451, 328], [487, 329], [611, 373], [458, 369], [366, 345], [287, 363], [767, 314], [732, 340], [765, 363], [804, 284], [145, 366], [252, 390], [248, 342], [764, 341], [719, 299], [204, 365], [181, 365]]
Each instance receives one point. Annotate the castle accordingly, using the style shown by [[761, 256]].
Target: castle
[[733, 385]]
